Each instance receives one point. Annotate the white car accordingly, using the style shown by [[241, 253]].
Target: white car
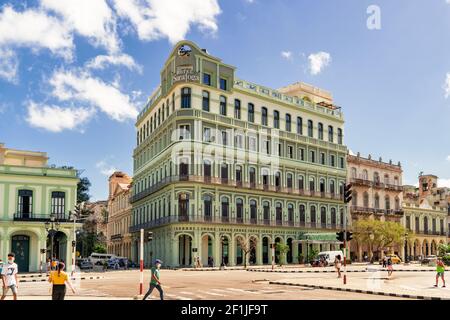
[[329, 256]]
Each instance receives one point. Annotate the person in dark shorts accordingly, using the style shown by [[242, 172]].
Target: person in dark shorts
[[59, 279], [9, 277]]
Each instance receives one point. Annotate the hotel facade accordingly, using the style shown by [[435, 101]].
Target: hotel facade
[[222, 165], [30, 193]]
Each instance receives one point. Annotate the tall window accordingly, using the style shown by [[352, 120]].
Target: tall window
[[312, 185], [299, 125], [25, 203], [58, 203], [322, 158], [332, 187], [207, 79], [387, 203], [266, 212], [278, 179], [238, 174], [313, 215], [312, 156], [223, 84], [253, 211], [225, 209], [339, 135], [276, 119], [290, 213], [333, 216], [377, 201], [207, 204], [332, 161], [330, 134], [224, 172], [239, 209], [207, 169], [279, 213], [323, 216], [366, 200], [237, 109], [251, 112], [223, 106], [264, 116], [186, 98], [310, 129], [289, 180], [205, 101], [252, 174], [288, 122], [301, 183], [320, 128], [302, 214]]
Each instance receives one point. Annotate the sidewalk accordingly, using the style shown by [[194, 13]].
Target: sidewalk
[[350, 268]]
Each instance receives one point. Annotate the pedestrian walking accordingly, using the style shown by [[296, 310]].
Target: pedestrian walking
[[390, 266], [59, 279], [338, 265], [1, 267], [155, 282], [440, 268], [49, 266], [9, 277], [384, 262]]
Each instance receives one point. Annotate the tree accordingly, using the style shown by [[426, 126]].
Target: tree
[[281, 248], [312, 254], [247, 247], [83, 189], [99, 248]]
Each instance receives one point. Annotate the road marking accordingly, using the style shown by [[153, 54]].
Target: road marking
[[213, 293], [242, 290], [192, 294]]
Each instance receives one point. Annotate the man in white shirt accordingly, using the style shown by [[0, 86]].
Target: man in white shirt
[[9, 277]]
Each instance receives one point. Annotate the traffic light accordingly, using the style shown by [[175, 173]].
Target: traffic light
[[149, 236], [340, 236], [349, 235], [347, 193]]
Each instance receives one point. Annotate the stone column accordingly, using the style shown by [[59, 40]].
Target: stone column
[[360, 253], [294, 252], [217, 250], [174, 251], [259, 250], [232, 260]]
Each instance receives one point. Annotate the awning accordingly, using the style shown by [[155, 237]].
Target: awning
[[318, 238]]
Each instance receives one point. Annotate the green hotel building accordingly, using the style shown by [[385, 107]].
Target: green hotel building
[[31, 192], [225, 167]]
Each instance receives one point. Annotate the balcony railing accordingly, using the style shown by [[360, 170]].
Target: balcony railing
[[357, 209], [39, 217], [231, 221], [226, 182], [116, 237], [375, 184]]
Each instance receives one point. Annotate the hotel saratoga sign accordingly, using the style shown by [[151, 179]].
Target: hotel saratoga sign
[[186, 74]]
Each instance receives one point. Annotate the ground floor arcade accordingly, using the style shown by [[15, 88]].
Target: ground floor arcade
[[121, 248], [182, 245], [27, 239]]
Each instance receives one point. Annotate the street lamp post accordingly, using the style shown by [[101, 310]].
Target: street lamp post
[[406, 247], [52, 227]]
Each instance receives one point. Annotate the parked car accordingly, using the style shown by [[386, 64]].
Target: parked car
[[330, 256], [394, 258], [431, 259]]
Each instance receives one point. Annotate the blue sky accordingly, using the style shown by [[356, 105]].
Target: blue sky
[[74, 74]]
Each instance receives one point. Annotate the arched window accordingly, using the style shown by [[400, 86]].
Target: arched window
[[387, 202], [225, 209], [397, 203], [207, 168], [425, 225], [366, 200], [365, 175], [224, 172], [223, 105], [355, 198], [264, 116], [291, 213], [289, 180], [376, 177], [301, 183], [207, 205], [252, 176], [205, 101], [251, 112], [396, 181], [237, 109], [323, 217], [386, 179], [354, 173], [322, 185], [239, 210], [278, 179], [320, 130], [266, 212], [340, 140], [253, 211], [288, 122], [185, 97], [330, 134], [310, 129], [313, 216], [276, 119], [299, 125], [239, 174], [333, 216], [312, 186], [302, 211], [332, 187], [377, 201], [183, 206], [279, 213]]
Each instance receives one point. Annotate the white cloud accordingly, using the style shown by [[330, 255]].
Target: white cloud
[[286, 55], [253, 1], [35, 29], [447, 85], [448, 157], [56, 119], [101, 61], [105, 168], [83, 88], [443, 183], [92, 19], [318, 61], [9, 64], [172, 19]]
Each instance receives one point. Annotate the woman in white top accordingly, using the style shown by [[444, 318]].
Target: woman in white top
[[337, 265]]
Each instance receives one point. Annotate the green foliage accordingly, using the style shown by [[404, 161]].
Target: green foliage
[[83, 190], [446, 260], [281, 249], [301, 258], [443, 249], [99, 248], [312, 254]]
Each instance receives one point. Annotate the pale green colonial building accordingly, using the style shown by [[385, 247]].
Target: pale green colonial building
[[30, 193], [222, 164]]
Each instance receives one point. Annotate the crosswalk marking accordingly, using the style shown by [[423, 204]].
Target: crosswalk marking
[[214, 294], [244, 291]]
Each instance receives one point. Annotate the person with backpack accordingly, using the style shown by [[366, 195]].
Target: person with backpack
[[155, 282], [59, 280]]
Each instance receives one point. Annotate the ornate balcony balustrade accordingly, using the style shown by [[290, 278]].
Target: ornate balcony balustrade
[[39, 217]]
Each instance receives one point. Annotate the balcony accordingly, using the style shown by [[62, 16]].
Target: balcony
[[226, 182], [116, 237], [228, 221], [39, 217], [361, 182]]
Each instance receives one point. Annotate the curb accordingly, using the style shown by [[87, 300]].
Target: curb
[[380, 293], [44, 280], [333, 271]]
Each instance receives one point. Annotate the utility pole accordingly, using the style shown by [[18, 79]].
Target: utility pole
[[273, 255], [141, 257]]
